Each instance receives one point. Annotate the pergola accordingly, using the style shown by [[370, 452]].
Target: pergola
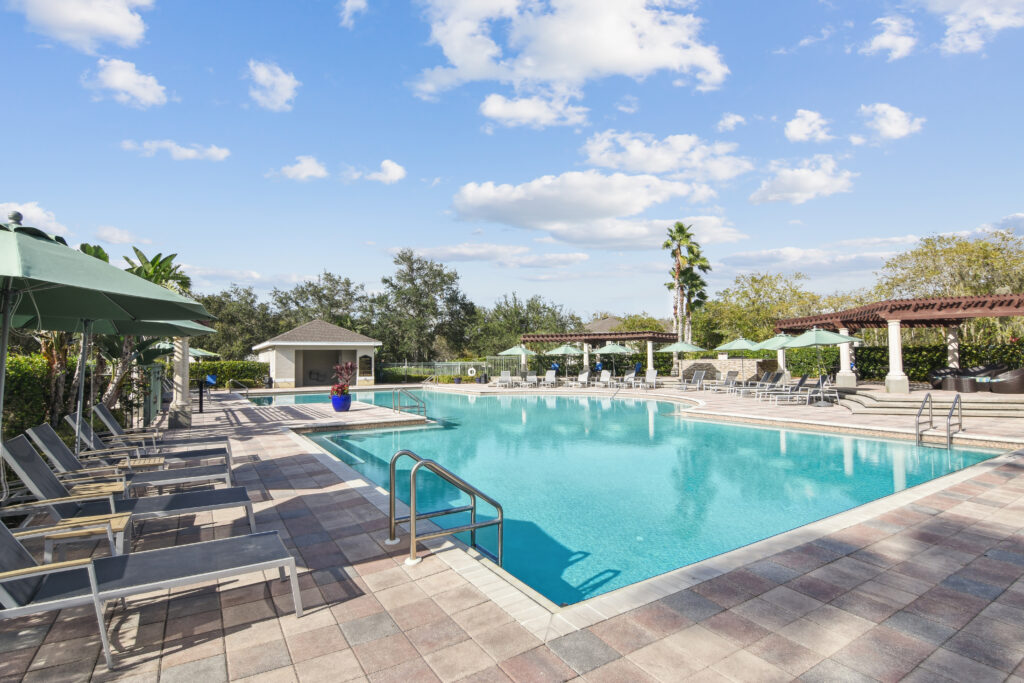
[[590, 338], [948, 312]]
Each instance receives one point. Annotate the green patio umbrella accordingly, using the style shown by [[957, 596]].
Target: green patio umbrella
[[519, 350], [817, 337], [679, 347], [42, 278], [741, 344], [613, 350], [565, 350], [144, 328], [775, 343]]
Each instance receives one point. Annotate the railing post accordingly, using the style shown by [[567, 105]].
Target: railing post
[[412, 559]]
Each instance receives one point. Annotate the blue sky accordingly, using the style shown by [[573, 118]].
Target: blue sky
[[538, 146]]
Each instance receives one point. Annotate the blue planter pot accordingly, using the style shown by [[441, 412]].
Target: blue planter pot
[[341, 403]]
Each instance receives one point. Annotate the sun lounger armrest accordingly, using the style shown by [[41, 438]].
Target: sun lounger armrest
[[42, 569], [64, 530], [37, 504], [117, 451]]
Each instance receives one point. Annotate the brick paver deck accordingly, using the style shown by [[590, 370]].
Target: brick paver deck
[[928, 590]]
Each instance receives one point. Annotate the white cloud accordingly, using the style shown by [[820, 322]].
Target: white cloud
[[972, 23], [389, 173], [305, 168], [84, 24], [126, 84], [686, 155], [824, 35], [509, 256], [559, 46], [729, 121], [194, 151], [112, 235], [713, 230], [273, 88], [349, 10], [812, 261], [897, 37], [1015, 222], [857, 140], [34, 216], [535, 111], [206, 278], [818, 176], [807, 126], [891, 123], [629, 104]]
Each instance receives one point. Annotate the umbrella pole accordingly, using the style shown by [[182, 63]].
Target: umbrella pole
[[86, 332], [5, 330]]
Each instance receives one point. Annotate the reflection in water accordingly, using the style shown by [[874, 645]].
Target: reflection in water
[[848, 455]]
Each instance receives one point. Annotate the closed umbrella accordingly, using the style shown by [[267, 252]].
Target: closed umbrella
[[741, 344], [40, 277], [565, 350], [613, 350]]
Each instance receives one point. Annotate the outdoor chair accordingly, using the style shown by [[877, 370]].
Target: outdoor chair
[[765, 394], [117, 431], [753, 389], [53, 497], [1011, 382], [627, 379], [696, 382], [550, 379], [605, 380], [30, 588], [724, 384], [505, 379], [740, 384], [65, 461], [202, 450], [649, 381], [804, 395], [581, 381], [530, 381]]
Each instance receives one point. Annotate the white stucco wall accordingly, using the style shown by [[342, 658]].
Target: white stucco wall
[[287, 367]]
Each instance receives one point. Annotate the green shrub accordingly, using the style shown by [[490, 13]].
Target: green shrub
[[26, 393], [250, 373]]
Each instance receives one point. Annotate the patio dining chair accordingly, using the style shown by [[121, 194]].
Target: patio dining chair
[[30, 588]]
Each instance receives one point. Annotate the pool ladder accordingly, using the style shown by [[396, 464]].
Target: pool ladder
[[417, 405], [413, 517], [951, 421]]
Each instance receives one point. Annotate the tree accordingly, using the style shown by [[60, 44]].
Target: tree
[[420, 303], [687, 260], [756, 301], [161, 270], [500, 327], [330, 297], [639, 322], [242, 322]]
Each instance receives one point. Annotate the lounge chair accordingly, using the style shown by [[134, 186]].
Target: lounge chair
[[195, 450], [505, 379], [766, 394], [724, 384], [804, 395], [649, 381], [754, 389], [64, 460], [54, 497], [550, 379], [743, 384], [118, 432], [530, 381], [696, 382], [604, 380], [581, 381], [627, 379], [30, 588]]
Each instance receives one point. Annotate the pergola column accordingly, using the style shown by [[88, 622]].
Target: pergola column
[[650, 354], [180, 413], [953, 346], [846, 377], [896, 382], [586, 356], [780, 357]]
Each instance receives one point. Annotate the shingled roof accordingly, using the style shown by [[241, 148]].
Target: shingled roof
[[319, 332]]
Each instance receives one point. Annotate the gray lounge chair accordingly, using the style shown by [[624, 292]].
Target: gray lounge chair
[[118, 432], [766, 394], [54, 498], [196, 450], [724, 384], [696, 382], [30, 588], [754, 389], [65, 461]]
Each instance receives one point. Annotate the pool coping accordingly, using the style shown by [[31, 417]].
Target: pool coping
[[547, 620]]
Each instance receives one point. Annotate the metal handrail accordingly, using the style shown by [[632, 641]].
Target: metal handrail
[[235, 382], [412, 517], [958, 407], [418, 404], [430, 380], [931, 417]]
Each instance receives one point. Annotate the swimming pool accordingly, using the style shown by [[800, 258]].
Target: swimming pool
[[599, 493]]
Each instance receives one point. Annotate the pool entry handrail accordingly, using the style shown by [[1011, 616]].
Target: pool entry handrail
[[430, 380], [417, 406], [236, 383], [467, 488], [926, 401], [959, 409]]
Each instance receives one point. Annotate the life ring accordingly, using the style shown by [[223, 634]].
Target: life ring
[[471, 372]]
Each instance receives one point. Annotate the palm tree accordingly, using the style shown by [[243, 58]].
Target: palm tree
[[687, 259], [695, 295]]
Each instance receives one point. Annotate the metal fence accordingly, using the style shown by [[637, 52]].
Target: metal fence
[[417, 372]]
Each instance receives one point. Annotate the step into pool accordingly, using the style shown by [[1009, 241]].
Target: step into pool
[[599, 493]]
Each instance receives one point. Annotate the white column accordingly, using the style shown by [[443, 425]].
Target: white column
[[780, 357], [899, 471], [180, 412], [953, 346], [586, 356], [522, 363], [845, 377], [650, 355], [848, 456], [896, 382]]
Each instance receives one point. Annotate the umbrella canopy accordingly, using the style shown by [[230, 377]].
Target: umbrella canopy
[[168, 347], [518, 351], [741, 344], [816, 337], [775, 343], [565, 350], [612, 348], [145, 328], [680, 347]]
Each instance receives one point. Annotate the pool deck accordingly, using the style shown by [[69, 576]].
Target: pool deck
[[925, 584]]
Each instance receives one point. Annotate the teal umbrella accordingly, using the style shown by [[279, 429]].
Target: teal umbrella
[[517, 351], [819, 338], [143, 328], [613, 349], [565, 350], [168, 347], [679, 347], [41, 277], [774, 343], [741, 344]]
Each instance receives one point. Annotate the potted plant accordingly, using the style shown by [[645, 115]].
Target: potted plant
[[341, 400]]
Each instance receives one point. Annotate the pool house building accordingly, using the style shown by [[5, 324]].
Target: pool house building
[[306, 355]]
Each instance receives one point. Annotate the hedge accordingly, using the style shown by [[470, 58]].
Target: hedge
[[250, 373], [26, 393], [872, 362]]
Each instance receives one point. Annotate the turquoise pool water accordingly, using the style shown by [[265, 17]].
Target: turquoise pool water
[[601, 493]]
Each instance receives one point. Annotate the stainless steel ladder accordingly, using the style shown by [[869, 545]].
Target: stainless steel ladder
[[927, 401], [236, 383], [417, 406], [413, 517], [958, 408]]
